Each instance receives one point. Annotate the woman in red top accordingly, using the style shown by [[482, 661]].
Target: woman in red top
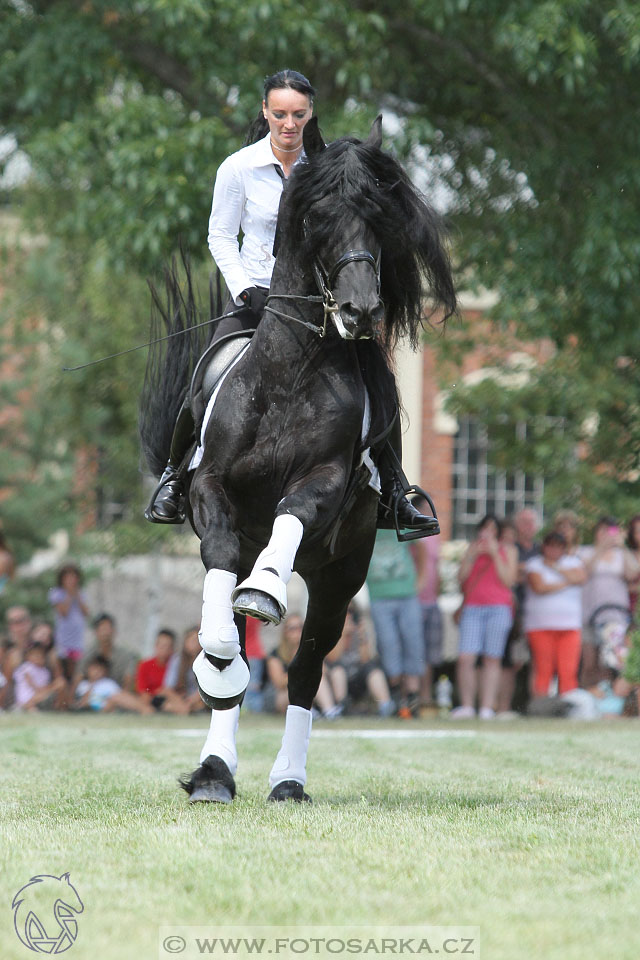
[[487, 573]]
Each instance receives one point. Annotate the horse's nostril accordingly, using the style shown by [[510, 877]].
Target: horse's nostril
[[350, 311]]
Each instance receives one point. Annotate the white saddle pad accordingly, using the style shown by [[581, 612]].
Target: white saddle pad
[[196, 459]]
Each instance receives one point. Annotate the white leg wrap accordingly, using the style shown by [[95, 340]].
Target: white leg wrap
[[218, 633], [278, 555], [291, 762], [221, 739]]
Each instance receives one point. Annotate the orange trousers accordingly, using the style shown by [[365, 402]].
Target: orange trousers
[[555, 652]]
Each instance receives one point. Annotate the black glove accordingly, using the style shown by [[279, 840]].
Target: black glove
[[255, 299]]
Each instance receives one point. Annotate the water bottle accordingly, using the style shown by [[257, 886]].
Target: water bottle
[[444, 691]]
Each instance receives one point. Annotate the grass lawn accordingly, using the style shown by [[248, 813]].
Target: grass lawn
[[527, 830]]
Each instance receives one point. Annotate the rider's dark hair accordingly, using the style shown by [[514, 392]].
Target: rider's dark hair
[[284, 79]]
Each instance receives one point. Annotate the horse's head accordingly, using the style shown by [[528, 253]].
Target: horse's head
[[347, 262], [351, 218]]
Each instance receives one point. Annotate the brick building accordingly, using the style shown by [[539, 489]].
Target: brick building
[[451, 459]]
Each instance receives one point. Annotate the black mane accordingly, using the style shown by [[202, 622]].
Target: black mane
[[370, 185]]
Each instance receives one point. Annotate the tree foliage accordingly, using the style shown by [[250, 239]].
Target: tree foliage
[[523, 114], [582, 430], [531, 109]]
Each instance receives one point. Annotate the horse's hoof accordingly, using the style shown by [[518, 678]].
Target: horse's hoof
[[213, 793], [262, 595], [289, 790], [255, 603], [212, 782]]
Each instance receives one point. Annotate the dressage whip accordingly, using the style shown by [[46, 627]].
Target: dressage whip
[[150, 343]]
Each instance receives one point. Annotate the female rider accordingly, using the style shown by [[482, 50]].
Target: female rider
[[246, 196]]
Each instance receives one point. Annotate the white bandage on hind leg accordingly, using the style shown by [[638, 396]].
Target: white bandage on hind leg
[[218, 633], [291, 762], [221, 739], [280, 552]]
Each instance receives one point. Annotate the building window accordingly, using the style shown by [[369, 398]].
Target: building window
[[480, 488]]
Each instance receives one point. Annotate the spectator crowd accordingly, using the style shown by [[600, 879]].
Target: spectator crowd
[[543, 627]]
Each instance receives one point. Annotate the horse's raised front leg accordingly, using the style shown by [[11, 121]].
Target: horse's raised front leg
[[264, 593], [330, 590]]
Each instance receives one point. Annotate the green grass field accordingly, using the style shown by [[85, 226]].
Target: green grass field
[[528, 830]]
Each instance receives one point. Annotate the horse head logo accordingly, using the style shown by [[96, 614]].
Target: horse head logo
[[44, 913]]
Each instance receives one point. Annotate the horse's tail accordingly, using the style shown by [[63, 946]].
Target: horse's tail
[[170, 364]]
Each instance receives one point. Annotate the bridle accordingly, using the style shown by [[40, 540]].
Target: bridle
[[325, 280]]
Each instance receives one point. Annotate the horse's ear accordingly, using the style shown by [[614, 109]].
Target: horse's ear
[[312, 138], [375, 134]]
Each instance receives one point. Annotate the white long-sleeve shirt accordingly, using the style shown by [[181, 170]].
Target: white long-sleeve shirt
[[246, 196]]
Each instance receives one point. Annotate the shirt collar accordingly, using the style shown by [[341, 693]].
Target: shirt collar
[[265, 155]]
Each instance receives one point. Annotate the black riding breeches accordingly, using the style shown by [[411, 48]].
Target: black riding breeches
[[245, 319], [384, 461]]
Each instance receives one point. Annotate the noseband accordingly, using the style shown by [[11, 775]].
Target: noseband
[[325, 279]]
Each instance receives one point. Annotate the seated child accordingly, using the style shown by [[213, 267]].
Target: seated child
[[98, 688], [610, 696], [100, 692], [352, 671], [32, 680]]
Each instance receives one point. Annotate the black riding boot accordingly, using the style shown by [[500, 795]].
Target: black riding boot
[[389, 464], [167, 502]]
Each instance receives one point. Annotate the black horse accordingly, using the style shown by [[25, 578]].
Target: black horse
[[283, 482]]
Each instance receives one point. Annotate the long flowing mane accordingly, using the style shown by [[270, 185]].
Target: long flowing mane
[[369, 184]]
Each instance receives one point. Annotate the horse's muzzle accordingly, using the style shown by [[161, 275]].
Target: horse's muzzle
[[355, 322]]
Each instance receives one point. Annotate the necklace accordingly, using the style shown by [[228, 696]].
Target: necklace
[[285, 149]]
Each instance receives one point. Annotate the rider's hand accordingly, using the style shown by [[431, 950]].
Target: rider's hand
[[255, 299]]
